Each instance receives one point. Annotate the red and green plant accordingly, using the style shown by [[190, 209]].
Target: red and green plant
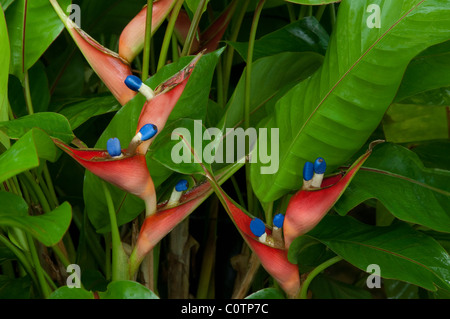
[[355, 103]]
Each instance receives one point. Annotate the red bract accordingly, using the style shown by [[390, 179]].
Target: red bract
[[128, 172], [108, 65], [157, 226], [131, 40], [273, 259], [308, 206], [158, 109]]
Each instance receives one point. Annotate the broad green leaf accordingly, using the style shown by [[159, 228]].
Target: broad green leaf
[[4, 66], [54, 124], [401, 252], [186, 148], [334, 112], [40, 94], [434, 154], [48, 228], [313, 2], [5, 4], [267, 293], [25, 154], [404, 123], [127, 290], [396, 177], [33, 26], [80, 112], [192, 104], [303, 35], [428, 70], [395, 289], [65, 292], [15, 288], [268, 83], [308, 253], [327, 288]]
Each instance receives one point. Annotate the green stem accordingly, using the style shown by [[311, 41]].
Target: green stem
[[320, 11], [304, 290], [303, 11], [37, 191], [168, 35], [228, 60], [193, 28], [175, 53], [247, 95], [51, 188], [332, 16], [20, 256], [45, 288], [119, 258], [27, 93], [147, 40], [291, 12]]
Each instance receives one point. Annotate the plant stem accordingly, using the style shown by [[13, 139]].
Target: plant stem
[[209, 254], [27, 93], [304, 290], [291, 12], [46, 291], [119, 258], [247, 95], [37, 191], [193, 28], [20, 256], [332, 16], [320, 11], [147, 41], [228, 60], [168, 34]]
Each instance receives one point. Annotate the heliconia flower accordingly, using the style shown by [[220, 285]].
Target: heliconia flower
[[317, 196], [210, 38], [131, 41], [108, 65], [123, 168], [272, 255], [158, 107], [158, 225]]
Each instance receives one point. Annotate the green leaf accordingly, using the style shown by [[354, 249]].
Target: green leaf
[[25, 153], [434, 154], [80, 112], [71, 293], [182, 148], [267, 293], [327, 288], [404, 123], [48, 228], [15, 288], [268, 83], [192, 104], [5, 4], [313, 2], [395, 289], [127, 290], [401, 252], [308, 253], [4, 66], [40, 94], [303, 35], [334, 112], [396, 176], [33, 26], [427, 71], [54, 124]]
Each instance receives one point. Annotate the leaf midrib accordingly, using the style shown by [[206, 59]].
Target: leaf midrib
[[343, 77]]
